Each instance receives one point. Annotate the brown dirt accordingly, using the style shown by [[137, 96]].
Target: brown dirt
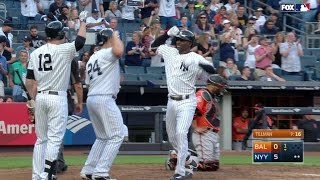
[[158, 172]]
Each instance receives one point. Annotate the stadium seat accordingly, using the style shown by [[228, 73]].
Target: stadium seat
[[144, 77], [317, 70], [293, 78], [155, 70], [307, 61], [134, 69], [234, 77], [130, 77]]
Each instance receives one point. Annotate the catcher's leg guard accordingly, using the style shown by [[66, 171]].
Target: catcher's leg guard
[[208, 166], [51, 169]]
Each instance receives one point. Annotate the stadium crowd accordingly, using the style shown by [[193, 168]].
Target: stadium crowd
[[242, 44]]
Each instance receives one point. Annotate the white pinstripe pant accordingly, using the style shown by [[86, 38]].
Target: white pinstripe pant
[[179, 117], [51, 119], [107, 123]]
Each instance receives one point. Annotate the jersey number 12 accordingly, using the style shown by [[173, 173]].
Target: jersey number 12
[[45, 62], [94, 68]]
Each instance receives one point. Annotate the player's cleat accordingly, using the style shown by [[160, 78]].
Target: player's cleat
[[188, 175], [177, 177], [101, 178], [192, 165], [86, 176], [63, 169]]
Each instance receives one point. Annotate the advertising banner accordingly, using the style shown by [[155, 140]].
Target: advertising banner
[[15, 127]]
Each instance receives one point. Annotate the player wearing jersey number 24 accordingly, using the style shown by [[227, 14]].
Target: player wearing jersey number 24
[[103, 78], [183, 67]]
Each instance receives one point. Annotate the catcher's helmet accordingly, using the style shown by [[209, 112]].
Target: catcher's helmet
[[55, 30], [217, 80], [186, 35], [103, 36]]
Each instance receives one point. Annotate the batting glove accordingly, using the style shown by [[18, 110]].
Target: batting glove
[[174, 31], [31, 108], [83, 16]]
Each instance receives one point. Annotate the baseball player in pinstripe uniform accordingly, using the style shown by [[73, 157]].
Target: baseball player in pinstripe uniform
[[50, 67], [182, 69], [103, 78]]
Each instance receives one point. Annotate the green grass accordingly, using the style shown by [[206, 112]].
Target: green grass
[[26, 162]]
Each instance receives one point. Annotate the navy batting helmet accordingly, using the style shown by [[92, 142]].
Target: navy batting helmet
[[103, 36], [217, 80], [55, 30], [186, 35]]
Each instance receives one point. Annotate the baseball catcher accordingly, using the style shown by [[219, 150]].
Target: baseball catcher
[[206, 126]]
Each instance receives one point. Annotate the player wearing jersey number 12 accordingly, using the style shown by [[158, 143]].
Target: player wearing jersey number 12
[[49, 66], [183, 67], [103, 78]]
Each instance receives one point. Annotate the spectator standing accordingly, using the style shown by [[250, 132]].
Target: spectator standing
[[310, 127], [264, 57], [36, 40], [291, 52], [114, 26], [270, 76], [278, 39], [89, 5], [261, 19], [242, 18], [113, 11], [5, 30], [203, 47], [146, 41], [250, 48], [56, 7], [134, 51], [226, 48], [3, 66], [156, 29], [95, 22], [309, 15], [26, 46], [215, 5], [15, 83], [127, 14], [28, 11], [202, 26], [239, 129], [222, 14], [147, 9], [84, 58], [64, 15], [72, 4], [269, 28], [231, 6], [73, 19], [167, 12], [192, 12], [182, 5]]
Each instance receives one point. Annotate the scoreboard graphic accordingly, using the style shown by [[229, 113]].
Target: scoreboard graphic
[[277, 146]]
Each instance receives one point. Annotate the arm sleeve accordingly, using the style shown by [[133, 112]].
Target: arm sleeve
[[206, 66], [79, 42], [160, 40], [30, 74], [75, 75]]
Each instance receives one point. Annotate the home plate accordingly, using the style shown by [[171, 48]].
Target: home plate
[[313, 175]]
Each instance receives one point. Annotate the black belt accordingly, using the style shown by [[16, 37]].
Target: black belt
[[179, 97], [51, 92], [213, 130]]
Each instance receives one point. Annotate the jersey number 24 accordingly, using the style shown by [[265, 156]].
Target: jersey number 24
[[92, 69]]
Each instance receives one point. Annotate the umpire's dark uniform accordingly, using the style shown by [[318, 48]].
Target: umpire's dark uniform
[[74, 78]]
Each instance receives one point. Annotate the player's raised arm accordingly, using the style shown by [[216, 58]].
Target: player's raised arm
[[206, 66], [81, 37], [117, 45], [163, 38]]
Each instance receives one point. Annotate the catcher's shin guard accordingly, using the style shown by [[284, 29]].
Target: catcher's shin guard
[[208, 166]]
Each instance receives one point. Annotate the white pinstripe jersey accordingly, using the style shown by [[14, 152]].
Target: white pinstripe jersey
[[51, 65], [182, 70], [103, 73]]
